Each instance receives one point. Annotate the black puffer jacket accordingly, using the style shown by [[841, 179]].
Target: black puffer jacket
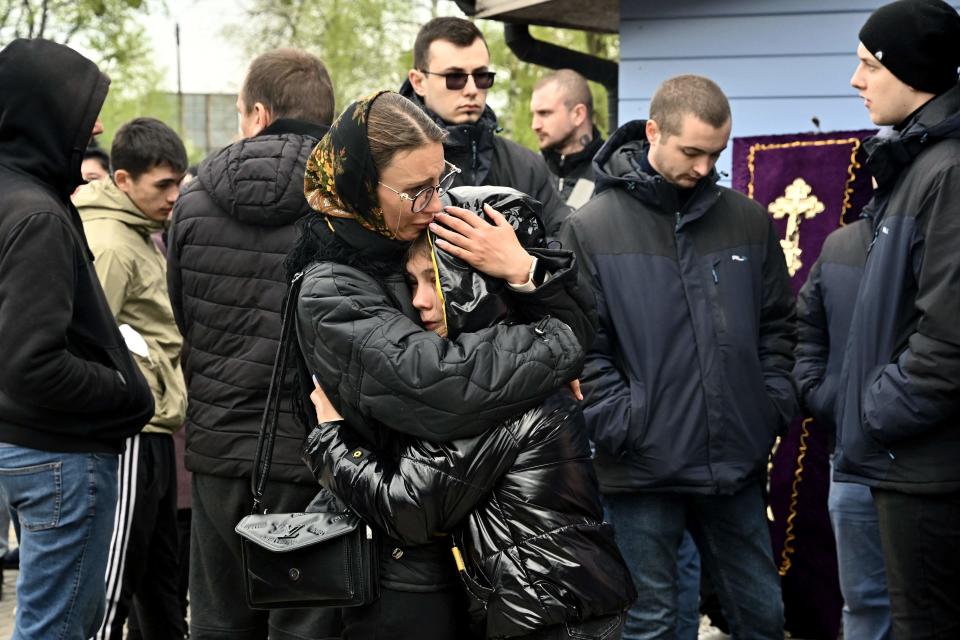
[[899, 425], [232, 229], [383, 371], [521, 499], [67, 382], [485, 158]]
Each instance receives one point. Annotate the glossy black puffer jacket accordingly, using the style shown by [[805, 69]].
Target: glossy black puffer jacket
[[521, 501], [520, 497]]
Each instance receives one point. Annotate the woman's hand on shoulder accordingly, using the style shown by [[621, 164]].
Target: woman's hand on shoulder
[[490, 248]]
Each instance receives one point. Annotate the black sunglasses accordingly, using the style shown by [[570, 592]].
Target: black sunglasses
[[458, 80]]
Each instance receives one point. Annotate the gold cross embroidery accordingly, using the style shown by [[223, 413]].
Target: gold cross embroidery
[[796, 204]]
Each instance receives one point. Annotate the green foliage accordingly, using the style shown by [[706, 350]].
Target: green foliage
[[368, 45], [516, 87]]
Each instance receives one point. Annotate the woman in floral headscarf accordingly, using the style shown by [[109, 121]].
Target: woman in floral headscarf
[[375, 181]]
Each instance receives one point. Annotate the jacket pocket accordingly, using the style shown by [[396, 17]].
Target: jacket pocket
[[167, 386], [638, 415]]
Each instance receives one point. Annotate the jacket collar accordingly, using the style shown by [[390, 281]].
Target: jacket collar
[[618, 165], [283, 126], [561, 165], [891, 152], [103, 200]]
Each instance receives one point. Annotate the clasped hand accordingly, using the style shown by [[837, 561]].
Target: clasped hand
[[490, 248]]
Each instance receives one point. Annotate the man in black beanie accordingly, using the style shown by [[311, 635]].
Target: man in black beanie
[[898, 428]]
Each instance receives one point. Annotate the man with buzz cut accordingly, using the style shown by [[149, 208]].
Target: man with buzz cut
[[689, 379], [898, 429], [450, 78], [562, 109], [232, 228], [119, 214]]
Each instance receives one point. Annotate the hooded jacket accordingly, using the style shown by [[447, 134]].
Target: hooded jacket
[[68, 382], [571, 168], [521, 499], [232, 228], [485, 158], [133, 274], [899, 408], [823, 319], [688, 382]]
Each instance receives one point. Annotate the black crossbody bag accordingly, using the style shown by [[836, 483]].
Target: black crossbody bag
[[324, 558]]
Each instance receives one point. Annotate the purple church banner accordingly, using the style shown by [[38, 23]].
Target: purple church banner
[[810, 184]]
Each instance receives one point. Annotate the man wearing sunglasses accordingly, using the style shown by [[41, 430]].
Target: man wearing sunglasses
[[450, 80]]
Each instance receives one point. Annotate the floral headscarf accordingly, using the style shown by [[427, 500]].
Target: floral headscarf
[[340, 181]]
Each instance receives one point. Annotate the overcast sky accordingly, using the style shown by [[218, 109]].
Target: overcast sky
[[209, 62]]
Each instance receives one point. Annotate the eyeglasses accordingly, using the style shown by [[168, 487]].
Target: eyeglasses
[[458, 80], [422, 198]]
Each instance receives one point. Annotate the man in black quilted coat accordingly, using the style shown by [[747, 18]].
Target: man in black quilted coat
[[232, 228]]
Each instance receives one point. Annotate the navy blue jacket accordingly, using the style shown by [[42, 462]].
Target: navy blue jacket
[[824, 309], [688, 381], [899, 425]]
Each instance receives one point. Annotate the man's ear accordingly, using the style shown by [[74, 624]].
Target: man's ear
[[123, 180], [579, 112], [263, 116], [417, 78], [652, 130]]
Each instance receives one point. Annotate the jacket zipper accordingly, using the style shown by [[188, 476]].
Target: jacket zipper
[[473, 162]]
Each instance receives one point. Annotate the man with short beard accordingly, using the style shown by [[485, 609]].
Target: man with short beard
[[562, 109]]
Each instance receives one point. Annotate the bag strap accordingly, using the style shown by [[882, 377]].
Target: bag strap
[[271, 411]]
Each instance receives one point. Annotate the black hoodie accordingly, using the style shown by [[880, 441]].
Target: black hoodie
[[68, 382]]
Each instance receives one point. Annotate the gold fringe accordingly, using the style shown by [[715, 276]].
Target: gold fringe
[[788, 548]]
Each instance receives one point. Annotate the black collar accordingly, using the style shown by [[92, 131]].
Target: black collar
[[293, 126]]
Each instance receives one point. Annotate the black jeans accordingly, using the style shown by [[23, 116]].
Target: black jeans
[[920, 535]]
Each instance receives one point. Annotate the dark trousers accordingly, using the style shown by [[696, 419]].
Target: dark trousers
[[183, 542], [218, 605], [920, 535], [143, 565], [436, 615]]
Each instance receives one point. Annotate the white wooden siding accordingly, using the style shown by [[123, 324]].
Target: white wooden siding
[[781, 63]]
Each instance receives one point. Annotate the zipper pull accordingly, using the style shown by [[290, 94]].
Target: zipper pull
[[539, 329], [677, 227]]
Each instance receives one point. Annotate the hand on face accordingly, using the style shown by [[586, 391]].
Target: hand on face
[[490, 248]]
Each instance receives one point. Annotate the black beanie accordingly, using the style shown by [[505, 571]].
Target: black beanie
[[918, 41]]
